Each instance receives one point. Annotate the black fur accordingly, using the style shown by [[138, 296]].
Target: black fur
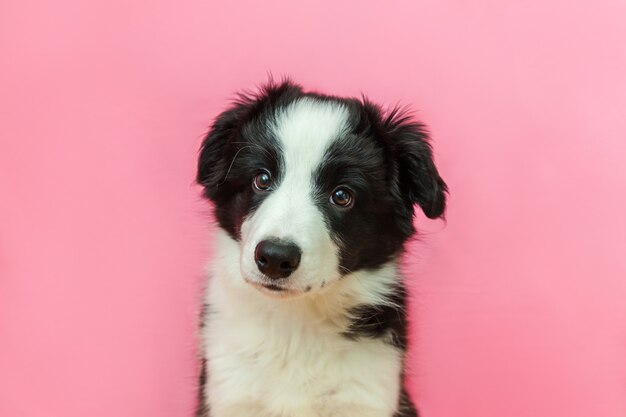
[[405, 406], [202, 409], [382, 321]]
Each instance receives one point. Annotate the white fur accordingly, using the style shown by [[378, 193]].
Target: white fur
[[288, 358], [270, 357]]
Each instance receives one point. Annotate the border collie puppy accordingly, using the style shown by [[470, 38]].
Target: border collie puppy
[[314, 196]]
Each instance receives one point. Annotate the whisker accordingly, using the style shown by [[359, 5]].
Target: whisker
[[267, 152], [232, 162]]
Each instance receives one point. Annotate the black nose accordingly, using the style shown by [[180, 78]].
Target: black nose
[[277, 259]]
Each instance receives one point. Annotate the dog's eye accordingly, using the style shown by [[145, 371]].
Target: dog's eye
[[342, 197], [262, 181]]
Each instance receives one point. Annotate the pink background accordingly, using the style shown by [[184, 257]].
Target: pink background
[[520, 306]]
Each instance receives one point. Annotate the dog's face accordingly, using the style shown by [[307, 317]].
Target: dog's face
[[315, 187]]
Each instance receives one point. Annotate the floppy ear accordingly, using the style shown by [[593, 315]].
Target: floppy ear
[[419, 179], [212, 162]]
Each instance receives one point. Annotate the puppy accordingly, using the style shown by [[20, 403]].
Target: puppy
[[305, 312]]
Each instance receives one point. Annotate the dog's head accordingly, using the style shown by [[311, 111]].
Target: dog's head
[[315, 187]]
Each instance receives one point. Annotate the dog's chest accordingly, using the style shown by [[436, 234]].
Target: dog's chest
[[295, 365]]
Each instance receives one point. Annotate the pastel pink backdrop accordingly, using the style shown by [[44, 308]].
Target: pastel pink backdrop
[[520, 299]]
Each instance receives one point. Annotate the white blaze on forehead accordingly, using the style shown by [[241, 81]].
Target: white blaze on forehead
[[305, 129]]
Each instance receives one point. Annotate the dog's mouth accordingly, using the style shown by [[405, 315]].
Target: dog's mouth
[[273, 289]]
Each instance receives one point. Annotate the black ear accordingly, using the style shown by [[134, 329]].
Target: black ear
[[213, 161], [419, 179]]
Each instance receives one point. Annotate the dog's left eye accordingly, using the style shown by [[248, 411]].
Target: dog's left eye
[[342, 197], [262, 181]]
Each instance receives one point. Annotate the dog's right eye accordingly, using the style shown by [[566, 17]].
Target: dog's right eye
[[262, 181]]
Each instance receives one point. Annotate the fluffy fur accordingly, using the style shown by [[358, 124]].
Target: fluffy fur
[[328, 339]]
